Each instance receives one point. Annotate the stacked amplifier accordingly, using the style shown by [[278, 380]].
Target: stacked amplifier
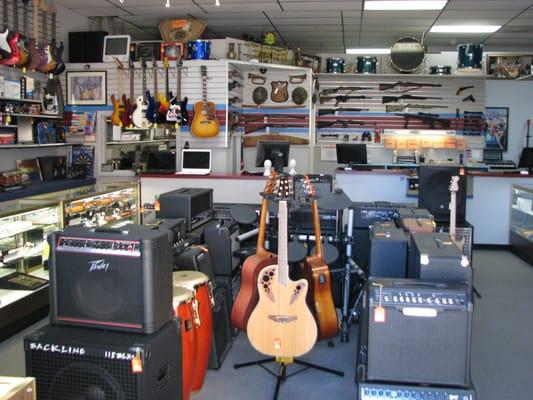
[[112, 331]]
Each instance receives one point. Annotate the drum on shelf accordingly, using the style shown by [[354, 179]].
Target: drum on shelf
[[335, 65], [407, 54], [198, 50], [186, 308], [199, 283], [440, 70], [366, 65], [470, 57]]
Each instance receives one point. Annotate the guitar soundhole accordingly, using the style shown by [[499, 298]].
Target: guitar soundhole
[[296, 293], [267, 284]]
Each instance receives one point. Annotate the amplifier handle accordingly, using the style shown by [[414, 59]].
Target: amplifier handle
[[420, 284], [419, 312], [110, 230]]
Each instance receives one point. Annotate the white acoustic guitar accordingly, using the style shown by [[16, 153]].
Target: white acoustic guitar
[[281, 324], [454, 188]]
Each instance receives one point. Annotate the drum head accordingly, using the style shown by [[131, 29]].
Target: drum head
[[243, 214], [407, 54], [259, 95], [181, 295], [189, 279], [296, 252], [330, 254]]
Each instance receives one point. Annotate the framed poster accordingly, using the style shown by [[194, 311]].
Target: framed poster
[[86, 88], [496, 128]]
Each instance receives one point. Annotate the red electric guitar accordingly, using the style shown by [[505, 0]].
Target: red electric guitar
[[9, 41]]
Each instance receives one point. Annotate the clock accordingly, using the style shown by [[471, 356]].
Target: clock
[[269, 38]]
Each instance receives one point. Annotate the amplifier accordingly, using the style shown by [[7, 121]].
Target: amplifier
[[374, 391], [322, 184], [193, 204], [388, 251], [301, 221], [435, 257], [221, 240], [195, 258], [417, 332], [146, 51], [411, 212], [463, 230], [222, 334], [72, 363], [418, 225], [115, 279], [175, 225]]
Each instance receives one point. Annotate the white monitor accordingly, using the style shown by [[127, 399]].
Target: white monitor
[[116, 47], [195, 161]]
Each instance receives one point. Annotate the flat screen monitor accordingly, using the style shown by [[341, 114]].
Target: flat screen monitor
[[351, 153], [526, 158], [275, 151], [161, 161], [116, 47]]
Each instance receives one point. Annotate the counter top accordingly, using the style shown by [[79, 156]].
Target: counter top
[[499, 174], [375, 171], [208, 176]]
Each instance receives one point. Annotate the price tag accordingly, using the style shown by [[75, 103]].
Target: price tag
[[46, 251], [137, 364], [379, 314]]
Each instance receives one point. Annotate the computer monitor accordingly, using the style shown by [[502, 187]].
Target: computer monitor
[[195, 161], [526, 158], [116, 47], [161, 161], [275, 151], [351, 153]]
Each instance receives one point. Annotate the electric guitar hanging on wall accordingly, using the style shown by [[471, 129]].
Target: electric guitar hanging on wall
[[316, 272], [163, 98], [281, 324], [177, 111], [57, 49], [248, 295], [115, 100], [139, 115], [205, 123], [23, 41], [48, 62], [33, 46], [9, 41], [150, 100], [128, 106], [454, 188]]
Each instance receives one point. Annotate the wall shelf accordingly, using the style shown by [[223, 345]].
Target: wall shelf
[[34, 115], [20, 100], [34, 145], [140, 142]]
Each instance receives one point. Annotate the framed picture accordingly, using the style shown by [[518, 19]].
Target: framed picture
[[86, 88], [496, 128]]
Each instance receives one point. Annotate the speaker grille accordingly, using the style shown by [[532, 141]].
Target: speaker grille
[[71, 377]]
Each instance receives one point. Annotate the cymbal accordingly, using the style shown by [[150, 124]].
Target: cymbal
[[243, 214], [336, 200]]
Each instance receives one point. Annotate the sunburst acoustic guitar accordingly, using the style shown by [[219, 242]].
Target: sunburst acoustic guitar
[[205, 123], [281, 325]]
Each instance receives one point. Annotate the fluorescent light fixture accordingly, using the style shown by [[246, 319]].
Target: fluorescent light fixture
[[367, 51], [464, 28], [405, 5]]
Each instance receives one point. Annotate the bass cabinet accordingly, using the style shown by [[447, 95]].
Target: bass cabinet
[[222, 333], [221, 240], [72, 363], [416, 332], [388, 251], [113, 279]]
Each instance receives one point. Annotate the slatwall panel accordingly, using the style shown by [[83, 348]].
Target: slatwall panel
[[19, 5]]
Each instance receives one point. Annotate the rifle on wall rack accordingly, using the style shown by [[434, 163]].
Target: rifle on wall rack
[[268, 125], [341, 99], [327, 111], [344, 123], [403, 107], [395, 99], [327, 92], [413, 85], [266, 117], [430, 119]]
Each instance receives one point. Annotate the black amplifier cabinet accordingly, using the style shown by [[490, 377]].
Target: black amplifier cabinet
[[374, 391], [73, 363], [193, 204], [221, 240], [115, 279], [222, 334], [301, 221], [195, 258], [322, 184], [417, 332], [388, 251], [175, 225], [435, 257]]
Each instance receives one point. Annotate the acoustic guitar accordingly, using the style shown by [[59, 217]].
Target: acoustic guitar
[[205, 123], [281, 325], [248, 295], [316, 272]]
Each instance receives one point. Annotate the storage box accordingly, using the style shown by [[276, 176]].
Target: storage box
[[390, 143]]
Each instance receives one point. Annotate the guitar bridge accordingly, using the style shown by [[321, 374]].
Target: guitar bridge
[[282, 319]]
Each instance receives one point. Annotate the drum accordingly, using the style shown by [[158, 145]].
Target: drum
[[366, 65], [200, 285], [330, 254], [198, 50], [335, 65], [407, 54], [470, 57], [186, 309], [440, 70]]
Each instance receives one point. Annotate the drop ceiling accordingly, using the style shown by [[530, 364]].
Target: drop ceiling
[[319, 26]]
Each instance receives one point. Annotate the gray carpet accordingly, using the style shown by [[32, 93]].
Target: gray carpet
[[502, 354]]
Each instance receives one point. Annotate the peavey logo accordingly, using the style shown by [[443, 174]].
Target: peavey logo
[[98, 265]]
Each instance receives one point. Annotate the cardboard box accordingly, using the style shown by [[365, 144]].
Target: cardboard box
[[12, 388]]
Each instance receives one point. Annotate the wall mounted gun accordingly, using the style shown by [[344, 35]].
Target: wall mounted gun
[[395, 99], [430, 119]]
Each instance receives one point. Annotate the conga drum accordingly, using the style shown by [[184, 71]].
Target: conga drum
[[200, 285], [186, 309]]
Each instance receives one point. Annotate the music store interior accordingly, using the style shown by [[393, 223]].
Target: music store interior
[[266, 199]]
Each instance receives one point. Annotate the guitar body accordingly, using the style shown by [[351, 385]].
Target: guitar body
[[4, 45], [128, 109], [14, 55], [35, 56], [150, 107], [319, 297], [60, 64], [164, 104], [24, 53], [138, 116], [281, 324], [183, 111], [48, 62], [115, 117], [248, 295], [204, 123]]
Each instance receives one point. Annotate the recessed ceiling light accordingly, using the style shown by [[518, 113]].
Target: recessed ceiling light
[[379, 5], [464, 28], [367, 51]]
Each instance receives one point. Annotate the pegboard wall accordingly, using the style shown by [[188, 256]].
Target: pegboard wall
[[16, 7]]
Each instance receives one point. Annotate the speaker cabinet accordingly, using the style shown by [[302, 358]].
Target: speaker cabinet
[[221, 241], [72, 363], [388, 252], [86, 47], [111, 279], [434, 193], [222, 334]]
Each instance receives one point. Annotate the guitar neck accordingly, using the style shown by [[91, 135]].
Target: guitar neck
[[262, 227], [453, 217], [132, 71], [44, 23], [36, 20], [5, 13], [154, 70], [316, 226], [178, 88], [283, 264]]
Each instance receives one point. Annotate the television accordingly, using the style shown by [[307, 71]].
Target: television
[[116, 47], [351, 153], [275, 151], [526, 158]]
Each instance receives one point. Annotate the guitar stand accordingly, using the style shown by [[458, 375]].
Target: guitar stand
[[281, 376]]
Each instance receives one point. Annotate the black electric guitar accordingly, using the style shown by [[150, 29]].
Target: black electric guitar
[[57, 49], [177, 111]]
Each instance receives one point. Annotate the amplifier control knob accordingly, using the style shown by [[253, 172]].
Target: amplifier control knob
[[401, 299], [437, 301]]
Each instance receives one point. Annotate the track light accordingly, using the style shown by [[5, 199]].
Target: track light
[[167, 4], [121, 1], [217, 3]]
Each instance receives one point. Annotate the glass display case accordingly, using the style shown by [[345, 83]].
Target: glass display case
[[521, 232], [102, 204], [24, 226]]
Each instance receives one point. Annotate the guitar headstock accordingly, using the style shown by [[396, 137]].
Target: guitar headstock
[[143, 63], [309, 189], [454, 184], [179, 61], [118, 63], [43, 6], [165, 63], [270, 185], [130, 64], [283, 188], [154, 64], [203, 71]]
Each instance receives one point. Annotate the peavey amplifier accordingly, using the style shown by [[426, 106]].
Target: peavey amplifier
[[116, 279], [392, 391], [416, 332], [193, 204], [73, 363]]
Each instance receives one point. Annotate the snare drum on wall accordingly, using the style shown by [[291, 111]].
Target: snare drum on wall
[[335, 65], [367, 65]]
